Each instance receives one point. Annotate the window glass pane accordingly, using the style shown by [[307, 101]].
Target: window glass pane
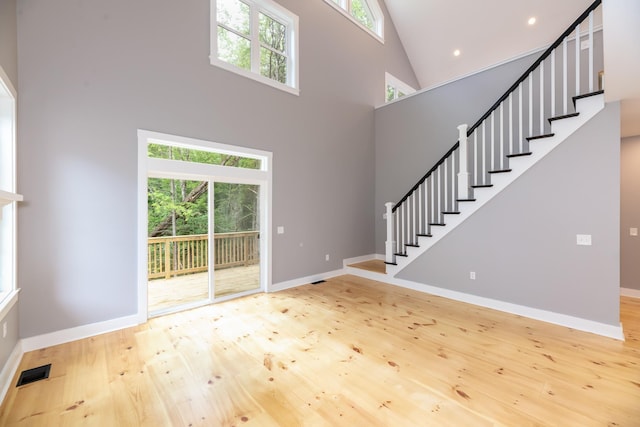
[[391, 93], [234, 14], [273, 33], [234, 49], [360, 10], [159, 151], [273, 65]]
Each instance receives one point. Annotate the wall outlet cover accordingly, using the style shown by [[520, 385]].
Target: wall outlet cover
[[583, 239]]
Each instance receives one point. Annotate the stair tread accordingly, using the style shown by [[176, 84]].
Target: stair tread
[[528, 153], [586, 95], [439, 224], [564, 116], [482, 186], [500, 171], [451, 213], [465, 200], [390, 263], [399, 254], [413, 245], [546, 135], [424, 235]]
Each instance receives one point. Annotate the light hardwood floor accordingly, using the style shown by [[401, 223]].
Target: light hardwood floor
[[347, 352]]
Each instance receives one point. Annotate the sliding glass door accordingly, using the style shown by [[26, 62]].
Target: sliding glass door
[[236, 250]]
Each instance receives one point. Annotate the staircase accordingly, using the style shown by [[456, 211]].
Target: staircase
[[558, 94]]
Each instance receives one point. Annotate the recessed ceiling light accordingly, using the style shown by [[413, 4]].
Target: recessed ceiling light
[[531, 20], [456, 52]]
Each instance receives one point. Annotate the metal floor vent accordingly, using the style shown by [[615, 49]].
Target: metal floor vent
[[32, 375], [317, 282]]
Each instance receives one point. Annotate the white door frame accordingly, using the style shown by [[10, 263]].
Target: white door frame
[[162, 168]]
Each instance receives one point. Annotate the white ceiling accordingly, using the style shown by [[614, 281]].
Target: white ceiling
[[486, 32], [490, 32]]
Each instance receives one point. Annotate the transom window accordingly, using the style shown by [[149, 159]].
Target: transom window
[[257, 39], [366, 13]]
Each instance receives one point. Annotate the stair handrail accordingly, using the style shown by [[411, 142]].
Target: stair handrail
[[512, 89], [535, 65]]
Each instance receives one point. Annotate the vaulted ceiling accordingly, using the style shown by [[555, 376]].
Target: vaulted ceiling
[[485, 32], [488, 32]]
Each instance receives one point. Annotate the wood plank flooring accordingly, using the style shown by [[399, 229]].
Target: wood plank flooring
[[347, 352], [375, 265]]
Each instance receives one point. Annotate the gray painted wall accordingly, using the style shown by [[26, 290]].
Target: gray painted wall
[[629, 212], [8, 40], [9, 63], [522, 244], [93, 72], [413, 134]]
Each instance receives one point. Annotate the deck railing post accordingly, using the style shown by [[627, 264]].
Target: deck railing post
[[463, 174], [390, 244], [167, 259]]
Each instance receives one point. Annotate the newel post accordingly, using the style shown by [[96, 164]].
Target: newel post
[[463, 174], [390, 244]]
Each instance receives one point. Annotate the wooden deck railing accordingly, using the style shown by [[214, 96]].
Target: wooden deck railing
[[173, 256]]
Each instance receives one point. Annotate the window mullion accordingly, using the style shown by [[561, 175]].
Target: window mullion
[[255, 39]]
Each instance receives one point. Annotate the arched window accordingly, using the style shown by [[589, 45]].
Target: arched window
[[365, 13]]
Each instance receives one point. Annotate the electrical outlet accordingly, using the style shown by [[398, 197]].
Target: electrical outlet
[[633, 231], [326, 257], [472, 275], [583, 239], [280, 229]]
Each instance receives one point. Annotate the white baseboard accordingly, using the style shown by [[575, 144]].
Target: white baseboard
[[520, 310], [628, 292], [304, 280], [72, 334], [9, 370]]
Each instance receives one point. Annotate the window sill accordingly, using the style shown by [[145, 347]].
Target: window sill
[[7, 303], [257, 77], [7, 197]]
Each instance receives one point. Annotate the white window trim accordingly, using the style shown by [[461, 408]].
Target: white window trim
[[153, 167], [399, 85], [8, 195], [273, 9], [375, 10]]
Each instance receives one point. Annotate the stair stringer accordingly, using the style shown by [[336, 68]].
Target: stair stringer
[[561, 129]]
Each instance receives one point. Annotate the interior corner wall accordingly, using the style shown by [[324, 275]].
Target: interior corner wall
[[93, 72], [9, 63], [522, 244], [396, 60], [629, 212]]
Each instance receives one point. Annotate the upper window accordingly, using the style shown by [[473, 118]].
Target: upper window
[[396, 88], [366, 13], [257, 39]]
